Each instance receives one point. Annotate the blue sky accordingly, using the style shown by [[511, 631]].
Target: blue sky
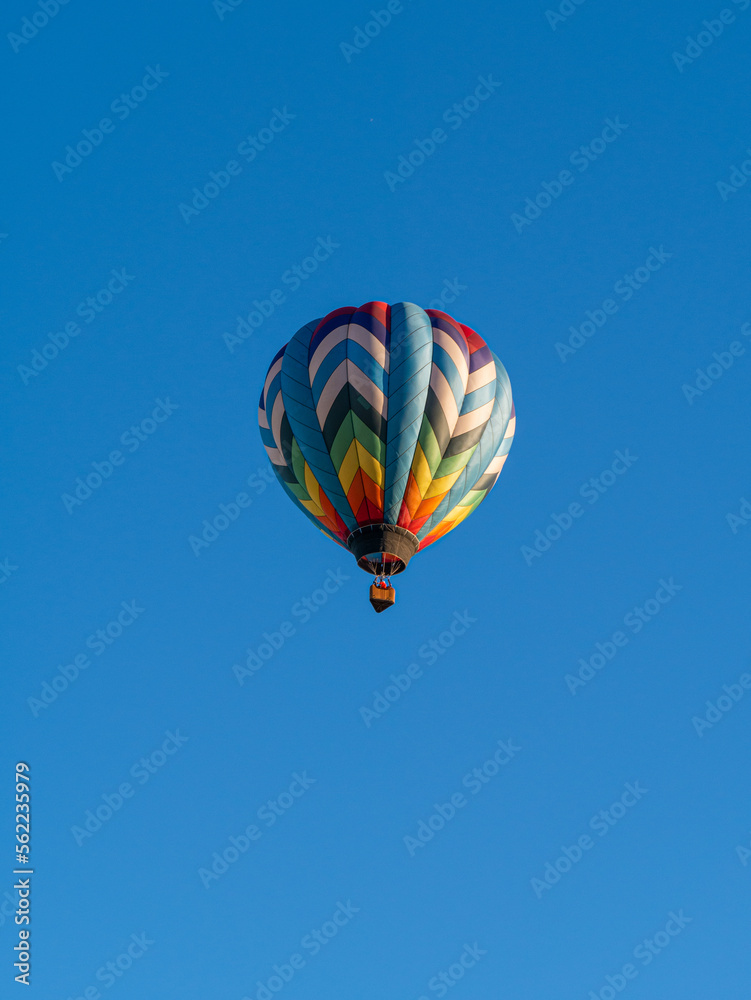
[[583, 799]]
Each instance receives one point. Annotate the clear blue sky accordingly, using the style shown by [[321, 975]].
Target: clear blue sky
[[633, 230]]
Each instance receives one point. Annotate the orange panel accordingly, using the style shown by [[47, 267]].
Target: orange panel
[[428, 507], [412, 495], [437, 533], [356, 495], [374, 493]]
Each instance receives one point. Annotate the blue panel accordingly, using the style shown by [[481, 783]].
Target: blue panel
[[474, 400], [305, 428], [330, 363], [445, 364], [354, 352], [408, 382], [490, 444]]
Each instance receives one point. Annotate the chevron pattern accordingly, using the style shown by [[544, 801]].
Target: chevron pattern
[[387, 414]]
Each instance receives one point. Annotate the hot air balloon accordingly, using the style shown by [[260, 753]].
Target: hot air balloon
[[387, 426]]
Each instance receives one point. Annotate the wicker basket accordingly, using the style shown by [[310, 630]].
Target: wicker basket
[[382, 597]]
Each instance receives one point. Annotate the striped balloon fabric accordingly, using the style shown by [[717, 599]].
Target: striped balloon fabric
[[387, 425]]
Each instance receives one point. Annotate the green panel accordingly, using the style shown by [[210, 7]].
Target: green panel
[[429, 445], [455, 463], [298, 465], [340, 446], [369, 440]]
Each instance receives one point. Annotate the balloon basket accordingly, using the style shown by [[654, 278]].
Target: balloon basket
[[382, 597]]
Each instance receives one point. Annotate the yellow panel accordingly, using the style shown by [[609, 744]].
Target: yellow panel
[[442, 485], [350, 465], [456, 516], [311, 485], [314, 509], [369, 464], [421, 470]]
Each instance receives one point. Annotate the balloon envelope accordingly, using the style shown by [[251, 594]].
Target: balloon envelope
[[387, 425]]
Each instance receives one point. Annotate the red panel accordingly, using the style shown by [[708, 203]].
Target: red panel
[[335, 523], [345, 310], [380, 310], [474, 340], [362, 514]]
